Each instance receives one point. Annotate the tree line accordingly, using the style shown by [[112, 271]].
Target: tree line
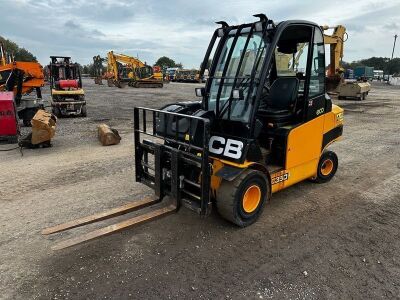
[[19, 54], [389, 66]]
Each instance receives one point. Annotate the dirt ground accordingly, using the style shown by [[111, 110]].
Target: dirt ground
[[328, 241]]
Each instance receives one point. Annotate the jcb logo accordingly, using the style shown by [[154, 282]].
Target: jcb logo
[[226, 147]]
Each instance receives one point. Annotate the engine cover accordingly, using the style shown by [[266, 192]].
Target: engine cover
[[67, 84]]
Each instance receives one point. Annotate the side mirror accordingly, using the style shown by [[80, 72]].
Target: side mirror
[[237, 94], [200, 92]]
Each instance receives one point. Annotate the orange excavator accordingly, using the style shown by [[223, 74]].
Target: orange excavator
[[22, 78]]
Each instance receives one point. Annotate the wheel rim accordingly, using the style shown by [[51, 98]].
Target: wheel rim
[[327, 167], [251, 199]]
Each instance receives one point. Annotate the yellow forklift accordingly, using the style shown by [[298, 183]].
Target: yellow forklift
[[260, 127], [67, 94]]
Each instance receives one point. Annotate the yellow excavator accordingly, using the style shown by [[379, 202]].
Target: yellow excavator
[[125, 70], [334, 79]]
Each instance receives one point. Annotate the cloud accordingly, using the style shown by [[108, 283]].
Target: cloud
[[180, 29]]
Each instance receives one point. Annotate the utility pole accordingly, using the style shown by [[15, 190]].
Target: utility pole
[[394, 44]]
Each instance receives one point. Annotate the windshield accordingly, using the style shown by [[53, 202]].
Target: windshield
[[233, 71]]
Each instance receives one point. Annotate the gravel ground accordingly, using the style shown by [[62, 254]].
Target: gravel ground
[[329, 241]]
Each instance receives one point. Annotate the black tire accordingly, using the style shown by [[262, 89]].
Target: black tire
[[110, 82], [230, 197], [56, 111], [84, 111], [324, 173]]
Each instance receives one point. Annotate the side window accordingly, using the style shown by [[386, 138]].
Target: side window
[[317, 76], [289, 64]]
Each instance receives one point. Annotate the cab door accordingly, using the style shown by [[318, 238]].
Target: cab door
[[305, 141]]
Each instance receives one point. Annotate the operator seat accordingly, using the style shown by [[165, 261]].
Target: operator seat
[[281, 102]]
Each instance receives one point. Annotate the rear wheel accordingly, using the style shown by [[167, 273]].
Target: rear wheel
[[242, 200], [84, 111], [327, 167]]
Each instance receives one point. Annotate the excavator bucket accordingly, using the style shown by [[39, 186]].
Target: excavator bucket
[[154, 213], [332, 83]]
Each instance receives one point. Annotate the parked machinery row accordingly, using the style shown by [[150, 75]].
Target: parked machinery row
[[123, 70]]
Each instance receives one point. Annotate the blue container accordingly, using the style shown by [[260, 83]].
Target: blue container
[[364, 73]]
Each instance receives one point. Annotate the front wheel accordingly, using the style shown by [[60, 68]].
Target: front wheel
[[327, 167], [242, 200], [56, 111]]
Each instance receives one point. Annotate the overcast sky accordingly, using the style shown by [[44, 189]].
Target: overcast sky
[[181, 29]]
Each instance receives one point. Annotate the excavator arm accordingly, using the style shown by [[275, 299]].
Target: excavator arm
[[112, 66], [336, 41], [334, 80]]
